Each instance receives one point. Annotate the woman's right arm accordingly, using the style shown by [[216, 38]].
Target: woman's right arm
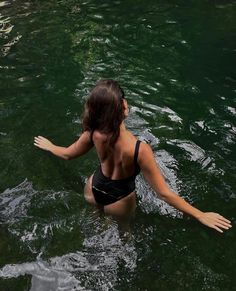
[[78, 148], [153, 176]]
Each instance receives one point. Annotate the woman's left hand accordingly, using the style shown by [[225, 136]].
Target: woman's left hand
[[43, 143], [215, 220]]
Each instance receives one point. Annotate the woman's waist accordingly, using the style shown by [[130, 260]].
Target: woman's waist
[[123, 175], [104, 183]]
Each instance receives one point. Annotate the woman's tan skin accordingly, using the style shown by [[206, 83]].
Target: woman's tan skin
[[117, 163]]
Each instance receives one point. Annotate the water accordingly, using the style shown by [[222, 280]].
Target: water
[[176, 63]]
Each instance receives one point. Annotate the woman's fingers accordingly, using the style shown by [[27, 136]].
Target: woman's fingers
[[216, 221], [222, 226], [221, 222], [38, 138], [217, 228], [37, 141], [220, 218], [224, 223], [37, 145], [224, 219], [42, 142]]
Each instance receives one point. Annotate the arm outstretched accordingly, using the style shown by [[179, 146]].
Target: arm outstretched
[[78, 148], [153, 176]]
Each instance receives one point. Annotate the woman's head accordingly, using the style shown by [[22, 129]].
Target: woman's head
[[105, 109]]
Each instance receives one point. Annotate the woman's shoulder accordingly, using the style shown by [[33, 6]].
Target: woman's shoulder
[[145, 153], [99, 136]]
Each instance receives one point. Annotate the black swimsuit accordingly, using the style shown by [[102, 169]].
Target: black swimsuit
[[107, 191]]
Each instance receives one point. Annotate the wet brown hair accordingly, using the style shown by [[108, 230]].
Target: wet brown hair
[[104, 109]]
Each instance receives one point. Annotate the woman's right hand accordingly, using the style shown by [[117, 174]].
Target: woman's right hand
[[214, 220], [43, 143]]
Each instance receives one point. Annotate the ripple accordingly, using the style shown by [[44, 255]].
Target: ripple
[[150, 201], [15, 202], [172, 115], [232, 110], [97, 265], [195, 153], [51, 55], [4, 3], [32, 215]]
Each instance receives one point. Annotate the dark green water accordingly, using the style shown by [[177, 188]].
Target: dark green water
[[176, 62]]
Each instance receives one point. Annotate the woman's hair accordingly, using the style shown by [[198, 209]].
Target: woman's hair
[[104, 110]]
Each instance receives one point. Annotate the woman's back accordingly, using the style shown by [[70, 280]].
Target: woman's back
[[117, 161]]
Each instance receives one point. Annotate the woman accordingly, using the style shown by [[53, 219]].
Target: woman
[[121, 156]]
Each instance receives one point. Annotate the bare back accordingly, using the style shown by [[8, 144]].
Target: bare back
[[117, 162]]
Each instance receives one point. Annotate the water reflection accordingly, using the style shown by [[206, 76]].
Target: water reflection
[[97, 265], [5, 30]]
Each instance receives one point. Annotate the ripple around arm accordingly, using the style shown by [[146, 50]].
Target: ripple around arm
[[150, 202]]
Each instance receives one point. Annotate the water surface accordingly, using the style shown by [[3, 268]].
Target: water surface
[[176, 63]]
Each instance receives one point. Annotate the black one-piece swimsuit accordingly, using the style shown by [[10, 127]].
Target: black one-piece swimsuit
[[107, 191]]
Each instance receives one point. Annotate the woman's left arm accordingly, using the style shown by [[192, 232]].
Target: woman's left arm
[[155, 179], [78, 148]]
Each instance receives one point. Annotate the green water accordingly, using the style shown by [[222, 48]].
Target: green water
[[176, 63]]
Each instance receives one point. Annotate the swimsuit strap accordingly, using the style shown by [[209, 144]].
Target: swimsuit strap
[[136, 152]]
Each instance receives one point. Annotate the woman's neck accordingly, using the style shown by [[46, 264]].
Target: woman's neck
[[122, 127]]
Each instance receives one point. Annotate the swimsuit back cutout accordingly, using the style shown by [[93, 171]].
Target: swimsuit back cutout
[[107, 191]]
